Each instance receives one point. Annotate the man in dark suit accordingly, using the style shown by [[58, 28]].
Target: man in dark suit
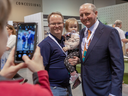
[[102, 64], [23, 41]]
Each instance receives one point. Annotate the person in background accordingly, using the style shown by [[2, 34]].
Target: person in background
[[10, 43], [101, 56], [126, 35], [10, 87], [118, 26], [71, 45], [11, 38], [113, 25], [54, 56]]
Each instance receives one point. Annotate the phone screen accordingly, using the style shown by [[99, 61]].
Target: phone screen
[[25, 41]]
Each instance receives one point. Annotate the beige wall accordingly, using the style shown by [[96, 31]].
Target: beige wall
[[104, 3], [66, 7], [120, 1], [101, 3], [19, 11]]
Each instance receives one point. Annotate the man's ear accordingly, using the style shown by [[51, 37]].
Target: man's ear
[[96, 13]]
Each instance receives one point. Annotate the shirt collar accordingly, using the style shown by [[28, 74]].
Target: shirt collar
[[58, 40], [117, 27], [92, 28], [9, 36]]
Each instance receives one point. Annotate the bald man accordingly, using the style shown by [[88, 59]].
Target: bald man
[[101, 56]]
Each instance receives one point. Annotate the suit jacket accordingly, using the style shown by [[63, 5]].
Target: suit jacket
[[24, 38], [30, 39], [103, 67]]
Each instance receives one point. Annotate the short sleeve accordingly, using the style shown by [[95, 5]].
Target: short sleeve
[[45, 52], [11, 41]]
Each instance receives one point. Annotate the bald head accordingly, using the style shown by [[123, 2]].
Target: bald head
[[118, 23], [89, 5], [88, 14]]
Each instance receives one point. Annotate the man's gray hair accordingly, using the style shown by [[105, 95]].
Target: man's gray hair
[[93, 7], [118, 23]]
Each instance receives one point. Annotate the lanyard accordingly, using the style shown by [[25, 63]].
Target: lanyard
[[87, 40], [57, 43]]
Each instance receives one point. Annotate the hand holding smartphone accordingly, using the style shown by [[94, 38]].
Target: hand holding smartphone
[[25, 41]]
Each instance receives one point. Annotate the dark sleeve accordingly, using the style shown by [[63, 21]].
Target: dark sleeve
[[45, 52], [117, 63]]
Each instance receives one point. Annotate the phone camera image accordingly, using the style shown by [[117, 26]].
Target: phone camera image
[[26, 40]]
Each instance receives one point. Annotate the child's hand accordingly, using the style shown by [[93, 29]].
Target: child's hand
[[65, 49]]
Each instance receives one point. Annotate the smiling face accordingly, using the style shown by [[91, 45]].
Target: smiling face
[[56, 25], [87, 15]]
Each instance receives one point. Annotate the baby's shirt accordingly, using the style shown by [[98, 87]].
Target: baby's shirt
[[72, 40]]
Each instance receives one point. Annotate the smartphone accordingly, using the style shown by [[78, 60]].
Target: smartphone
[[26, 41]]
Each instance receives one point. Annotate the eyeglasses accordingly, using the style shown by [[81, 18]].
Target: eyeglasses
[[59, 23]]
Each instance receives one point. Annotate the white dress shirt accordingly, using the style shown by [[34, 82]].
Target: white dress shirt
[[92, 29], [121, 34]]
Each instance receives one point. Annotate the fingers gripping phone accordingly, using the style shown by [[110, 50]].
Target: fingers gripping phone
[[25, 41]]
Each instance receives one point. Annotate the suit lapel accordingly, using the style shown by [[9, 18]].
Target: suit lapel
[[96, 37]]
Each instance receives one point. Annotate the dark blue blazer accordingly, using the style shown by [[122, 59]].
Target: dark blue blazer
[[24, 38], [103, 68], [30, 39]]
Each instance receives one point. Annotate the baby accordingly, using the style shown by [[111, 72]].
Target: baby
[[71, 44]]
